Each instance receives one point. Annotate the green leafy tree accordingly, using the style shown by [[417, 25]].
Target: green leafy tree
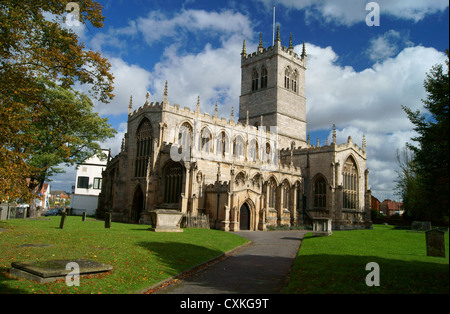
[[431, 153], [65, 130], [36, 48]]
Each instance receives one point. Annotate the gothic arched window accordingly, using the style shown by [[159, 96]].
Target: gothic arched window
[[268, 153], [272, 186], [222, 144], [143, 148], [185, 135], [294, 81], [320, 193], [287, 74], [264, 77], [286, 191], [206, 141], [253, 150], [238, 147], [350, 184], [255, 80]]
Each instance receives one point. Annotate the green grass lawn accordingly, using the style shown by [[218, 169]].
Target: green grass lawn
[[337, 264], [140, 258]]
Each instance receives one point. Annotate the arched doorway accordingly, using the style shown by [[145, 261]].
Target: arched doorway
[[138, 205], [244, 217]]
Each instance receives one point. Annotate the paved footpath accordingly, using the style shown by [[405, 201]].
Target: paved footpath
[[259, 268]]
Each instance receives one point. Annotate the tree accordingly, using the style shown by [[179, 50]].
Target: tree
[[431, 153], [36, 47], [65, 130], [408, 185]]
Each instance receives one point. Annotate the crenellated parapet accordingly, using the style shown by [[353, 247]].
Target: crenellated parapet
[[277, 48]]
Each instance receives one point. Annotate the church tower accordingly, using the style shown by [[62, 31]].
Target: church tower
[[273, 90]]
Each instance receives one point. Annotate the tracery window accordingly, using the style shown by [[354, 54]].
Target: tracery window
[[255, 80], [264, 78], [290, 79], [320, 193], [253, 150], [143, 148], [185, 135], [350, 184], [222, 144], [206, 140], [272, 186], [294, 81], [287, 74], [268, 153], [286, 199], [238, 147]]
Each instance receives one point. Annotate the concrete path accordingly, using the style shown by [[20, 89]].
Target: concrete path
[[260, 268]]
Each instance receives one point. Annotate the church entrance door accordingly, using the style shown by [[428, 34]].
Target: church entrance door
[[138, 205], [244, 217]]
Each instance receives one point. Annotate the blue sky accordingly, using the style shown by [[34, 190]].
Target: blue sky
[[357, 78]]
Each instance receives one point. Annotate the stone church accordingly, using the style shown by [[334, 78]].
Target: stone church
[[247, 174]]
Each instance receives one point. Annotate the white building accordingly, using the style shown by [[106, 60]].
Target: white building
[[88, 185]]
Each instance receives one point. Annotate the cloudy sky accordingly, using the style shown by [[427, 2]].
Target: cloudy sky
[[358, 76]]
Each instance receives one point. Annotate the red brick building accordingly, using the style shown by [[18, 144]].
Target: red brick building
[[389, 208]]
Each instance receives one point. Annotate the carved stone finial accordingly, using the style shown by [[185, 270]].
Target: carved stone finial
[[334, 134], [130, 106], [165, 92]]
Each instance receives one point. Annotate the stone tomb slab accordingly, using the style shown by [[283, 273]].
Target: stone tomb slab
[[48, 271]]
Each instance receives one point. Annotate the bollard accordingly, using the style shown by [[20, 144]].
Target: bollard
[[83, 216]]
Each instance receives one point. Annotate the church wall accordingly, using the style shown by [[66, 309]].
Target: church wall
[[210, 183]]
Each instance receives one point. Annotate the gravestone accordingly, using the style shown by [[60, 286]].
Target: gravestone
[[435, 243], [166, 220], [108, 220], [49, 271], [36, 245], [421, 225], [322, 227], [63, 220]]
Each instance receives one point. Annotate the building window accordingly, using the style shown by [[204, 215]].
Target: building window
[[294, 81], [206, 141], [350, 184], [268, 153], [287, 74], [272, 193], [83, 183], [238, 147], [185, 135], [254, 80], [97, 183], [222, 144], [264, 78], [253, 150], [286, 196], [144, 148], [290, 79], [320, 193]]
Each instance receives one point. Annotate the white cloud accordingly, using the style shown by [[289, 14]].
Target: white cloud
[[129, 80], [211, 74], [369, 102], [349, 12], [156, 25], [370, 99], [388, 45]]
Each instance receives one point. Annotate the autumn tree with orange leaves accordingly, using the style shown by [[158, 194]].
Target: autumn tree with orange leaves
[[38, 50]]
